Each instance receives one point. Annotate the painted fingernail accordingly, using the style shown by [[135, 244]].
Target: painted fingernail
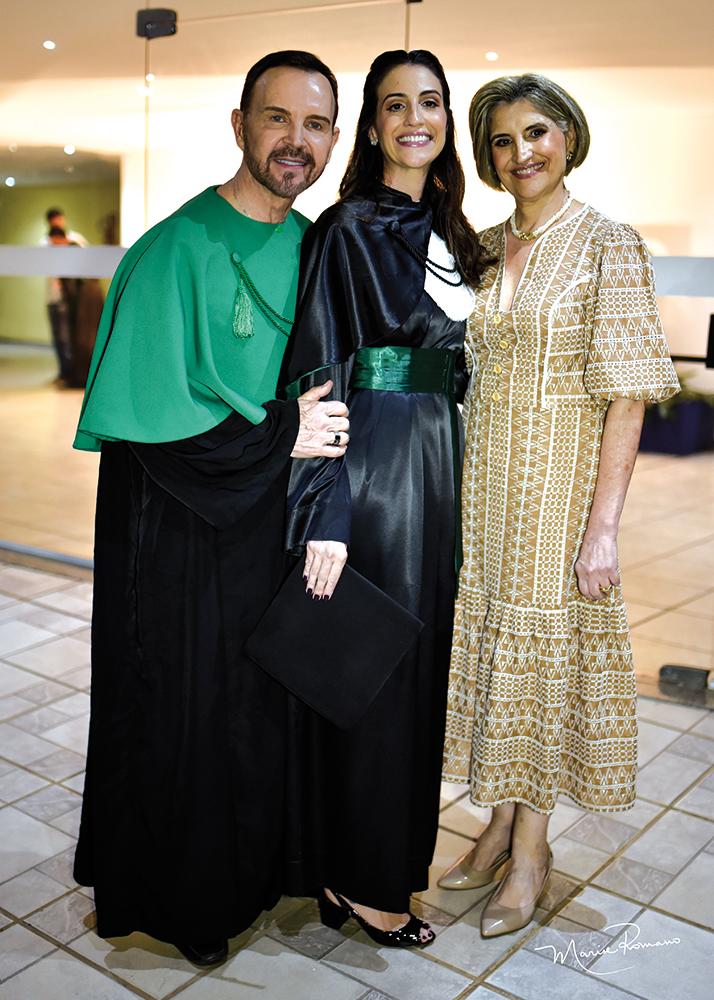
[[309, 591]]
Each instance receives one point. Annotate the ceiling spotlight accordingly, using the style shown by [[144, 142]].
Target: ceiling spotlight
[[150, 77], [49, 44], [491, 56], [10, 182], [70, 149]]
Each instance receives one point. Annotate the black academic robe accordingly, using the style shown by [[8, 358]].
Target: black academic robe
[[364, 806], [183, 817]]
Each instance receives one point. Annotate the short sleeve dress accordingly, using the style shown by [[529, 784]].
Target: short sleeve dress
[[542, 686]]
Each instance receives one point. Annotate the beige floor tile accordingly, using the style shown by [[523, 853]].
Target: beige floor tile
[[671, 843], [19, 948], [695, 747], [72, 735], [699, 800], [679, 629], [20, 747], [54, 658], [26, 842], [637, 613], [577, 859], [12, 705], [29, 891], [27, 583], [563, 817], [643, 587], [689, 571], [600, 910], [15, 636], [705, 727], [640, 814], [13, 680], [150, 965], [633, 879], [73, 601], [67, 918], [668, 714], [652, 739], [451, 791], [703, 606], [666, 971], [649, 655], [271, 971], [465, 818], [17, 782], [60, 976], [73, 705], [690, 894], [667, 776], [534, 977]]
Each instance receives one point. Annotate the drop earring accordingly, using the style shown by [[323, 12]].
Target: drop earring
[[569, 157], [373, 140]]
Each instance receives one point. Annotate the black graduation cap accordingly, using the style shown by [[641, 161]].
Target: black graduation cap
[[334, 655]]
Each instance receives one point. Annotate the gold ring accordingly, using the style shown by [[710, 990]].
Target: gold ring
[[605, 590]]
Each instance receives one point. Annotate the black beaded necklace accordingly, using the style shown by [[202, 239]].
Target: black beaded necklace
[[438, 270]]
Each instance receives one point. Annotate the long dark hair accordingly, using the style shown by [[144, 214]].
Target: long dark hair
[[445, 184]]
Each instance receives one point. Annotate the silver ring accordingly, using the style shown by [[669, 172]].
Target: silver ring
[[337, 440]]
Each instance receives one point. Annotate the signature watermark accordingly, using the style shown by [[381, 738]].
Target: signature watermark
[[628, 943]]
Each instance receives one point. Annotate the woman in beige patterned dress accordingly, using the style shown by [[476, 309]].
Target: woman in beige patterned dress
[[566, 347]]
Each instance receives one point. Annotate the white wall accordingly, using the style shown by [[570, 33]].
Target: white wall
[[649, 164]]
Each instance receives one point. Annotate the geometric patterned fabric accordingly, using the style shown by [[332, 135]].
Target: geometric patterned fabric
[[542, 688]]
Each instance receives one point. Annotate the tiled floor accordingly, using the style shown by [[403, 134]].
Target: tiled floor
[[621, 881]]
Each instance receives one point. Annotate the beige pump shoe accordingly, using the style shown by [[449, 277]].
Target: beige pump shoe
[[497, 919], [462, 875]]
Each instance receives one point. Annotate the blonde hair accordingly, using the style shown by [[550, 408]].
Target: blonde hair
[[543, 94]]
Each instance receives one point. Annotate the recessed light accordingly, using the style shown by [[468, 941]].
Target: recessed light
[[10, 182], [49, 44], [491, 56], [70, 149], [150, 77]]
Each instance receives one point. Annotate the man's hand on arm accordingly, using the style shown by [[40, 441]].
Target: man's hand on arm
[[320, 425]]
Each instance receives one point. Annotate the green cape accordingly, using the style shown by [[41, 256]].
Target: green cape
[[167, 364]]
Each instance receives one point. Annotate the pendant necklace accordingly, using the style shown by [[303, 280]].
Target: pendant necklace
[[528, 237]]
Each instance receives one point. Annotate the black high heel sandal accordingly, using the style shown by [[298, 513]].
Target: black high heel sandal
[[334, 915]]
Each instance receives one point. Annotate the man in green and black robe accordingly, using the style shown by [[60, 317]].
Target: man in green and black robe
[[182, 823]]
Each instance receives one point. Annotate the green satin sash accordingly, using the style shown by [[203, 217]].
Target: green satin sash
[[404, 369], [416, 369]]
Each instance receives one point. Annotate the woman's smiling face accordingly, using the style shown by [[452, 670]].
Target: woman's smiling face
[[528, 150], [410, 121]]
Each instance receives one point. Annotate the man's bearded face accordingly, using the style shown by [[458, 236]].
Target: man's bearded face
[[287, 133]]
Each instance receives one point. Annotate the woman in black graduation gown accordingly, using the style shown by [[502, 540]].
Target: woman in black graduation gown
[[385, 289]]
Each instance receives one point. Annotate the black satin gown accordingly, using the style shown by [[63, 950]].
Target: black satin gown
[[364, 812], [182, 832]]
